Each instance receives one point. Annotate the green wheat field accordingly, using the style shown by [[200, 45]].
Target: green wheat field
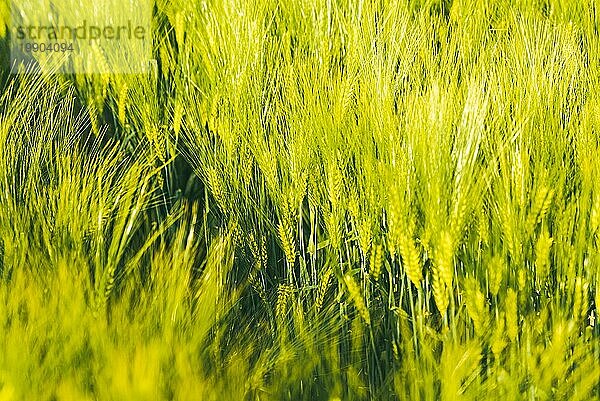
[[309, 200]]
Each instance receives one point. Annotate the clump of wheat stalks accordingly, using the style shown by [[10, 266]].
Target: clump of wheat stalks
[[310, 200]]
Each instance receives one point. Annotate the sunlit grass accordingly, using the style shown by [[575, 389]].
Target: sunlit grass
[[313, 200]]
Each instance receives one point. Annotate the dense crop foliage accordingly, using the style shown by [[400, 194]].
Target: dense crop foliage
[[310, 200]]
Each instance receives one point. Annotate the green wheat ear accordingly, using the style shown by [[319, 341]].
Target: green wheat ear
[[4, 18], [357, 298], [376, 261]]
